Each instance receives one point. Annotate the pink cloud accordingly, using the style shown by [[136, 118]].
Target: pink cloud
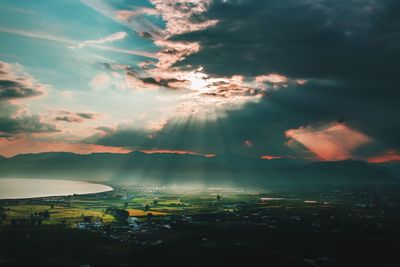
[[391, 155], [269, 157], [271, 78], [178, 15], [301, 81], [174, 51], [329, 142]]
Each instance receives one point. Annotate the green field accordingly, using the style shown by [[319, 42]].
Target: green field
[[58, 214]]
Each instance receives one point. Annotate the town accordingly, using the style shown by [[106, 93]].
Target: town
[[143, 219]]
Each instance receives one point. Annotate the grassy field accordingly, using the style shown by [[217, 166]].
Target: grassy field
[[58, 214], [142, 213]]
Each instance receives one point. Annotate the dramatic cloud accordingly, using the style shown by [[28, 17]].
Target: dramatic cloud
[[329, 142], [343, 54], [330, 58], [239, 76], [199, 91], [299, 38]]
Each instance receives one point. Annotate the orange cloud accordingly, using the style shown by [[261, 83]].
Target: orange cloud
[[391, 155], [329, 142], [268, 157]]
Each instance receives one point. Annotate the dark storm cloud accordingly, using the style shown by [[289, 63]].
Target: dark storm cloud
[[13, 86], [170, 83], [68, 119], [121, 137], [15, 89], [348, 51], [297, 37], [12, 121], [88, 116], [68, 116]]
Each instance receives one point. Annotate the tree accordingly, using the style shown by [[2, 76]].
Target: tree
[[3, 215], [119, 214], [45, 214]]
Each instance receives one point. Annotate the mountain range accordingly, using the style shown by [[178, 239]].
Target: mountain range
[[223, 168]]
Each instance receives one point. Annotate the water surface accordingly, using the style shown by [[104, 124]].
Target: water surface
[[31, 188]]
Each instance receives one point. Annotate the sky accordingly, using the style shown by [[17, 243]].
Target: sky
[[308, 79]]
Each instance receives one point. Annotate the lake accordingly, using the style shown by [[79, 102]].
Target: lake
[[32, 188]]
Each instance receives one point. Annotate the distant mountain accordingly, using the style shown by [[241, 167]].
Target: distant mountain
[[227, 167], [393, 167], [348, 170]]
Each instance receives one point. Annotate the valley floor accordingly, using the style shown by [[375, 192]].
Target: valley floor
[[142, 227]]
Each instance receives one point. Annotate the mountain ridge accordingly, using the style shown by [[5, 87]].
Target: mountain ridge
[[164, 167]]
